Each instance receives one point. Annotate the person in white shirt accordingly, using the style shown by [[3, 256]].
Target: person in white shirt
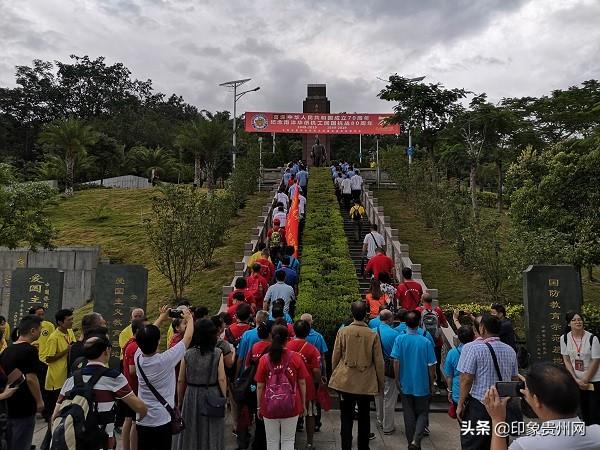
[[356, 183], [280, 214], [580, 350], [552, 393], [158, 369], [337, 182], [372, 241], [346, 192], [281, 197]]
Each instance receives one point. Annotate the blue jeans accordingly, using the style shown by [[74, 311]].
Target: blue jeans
[[20, 432]]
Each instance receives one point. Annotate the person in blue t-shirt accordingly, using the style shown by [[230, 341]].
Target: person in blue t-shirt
[[385, 403], [401, 327], [249, 338], [465, 335], [294, 262], [414, 364]]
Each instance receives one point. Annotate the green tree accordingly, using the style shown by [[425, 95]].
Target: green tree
[[70, 138], [183, 231], [426, 109], [206, 138], [23, 212], [108, 156], [556, 190], [143, 159]]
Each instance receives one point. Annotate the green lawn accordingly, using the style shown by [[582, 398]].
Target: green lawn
[[440, 265], [120, 235]]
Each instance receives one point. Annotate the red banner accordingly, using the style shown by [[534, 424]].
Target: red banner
[[293, 221], [318, 123]]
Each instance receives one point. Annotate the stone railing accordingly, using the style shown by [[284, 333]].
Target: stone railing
[[400, 252], [259, 234]]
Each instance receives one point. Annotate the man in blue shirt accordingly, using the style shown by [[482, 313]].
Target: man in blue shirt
[[385, 404], [315, 338], [414, 363], [249, 338], [302, 177], [291, 277], [279, 290], [465, 335]]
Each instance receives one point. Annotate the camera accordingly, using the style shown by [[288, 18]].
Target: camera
[[510, 388], [177, 313]]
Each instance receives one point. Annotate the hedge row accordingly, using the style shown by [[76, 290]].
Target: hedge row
[[328, 282], [516, 313]]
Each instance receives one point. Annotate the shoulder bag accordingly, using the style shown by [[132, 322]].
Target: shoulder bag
[[513, 407], [388, 364], [177, 423]]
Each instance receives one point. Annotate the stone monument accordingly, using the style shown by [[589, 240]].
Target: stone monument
[[548, 293], [316, 102], [35, 287], [119, 289]]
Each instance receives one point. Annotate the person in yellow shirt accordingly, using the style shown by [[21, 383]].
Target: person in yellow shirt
[[127, 333], [257, 255], [357, 214], [57, 349], [47, 330], [4, 334]]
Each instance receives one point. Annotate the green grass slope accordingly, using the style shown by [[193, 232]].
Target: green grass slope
[[112, 219]]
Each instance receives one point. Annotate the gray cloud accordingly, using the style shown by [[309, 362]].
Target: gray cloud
[[502, 47]]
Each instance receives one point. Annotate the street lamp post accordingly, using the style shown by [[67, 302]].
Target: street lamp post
[[260, 175], [410, 150], [235, 84]]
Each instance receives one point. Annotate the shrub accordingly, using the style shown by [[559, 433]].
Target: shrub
[[328, 281], [516, 313]]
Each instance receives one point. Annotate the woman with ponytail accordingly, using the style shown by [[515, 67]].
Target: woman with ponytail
[[580, 350], [281, 379]]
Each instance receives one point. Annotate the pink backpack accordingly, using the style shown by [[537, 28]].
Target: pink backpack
[[280, 395]]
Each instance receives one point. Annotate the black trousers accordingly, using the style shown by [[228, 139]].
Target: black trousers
[[347, 405], [441, 381], [471, 441], [347, 199], [356, 194], [154, 438], [416, 417], [590, 405]]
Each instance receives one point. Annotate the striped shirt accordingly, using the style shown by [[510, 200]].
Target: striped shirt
[[476, 359], [110, 387]]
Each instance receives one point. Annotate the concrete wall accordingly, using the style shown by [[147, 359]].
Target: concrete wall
[[78, 263], [124, 182]]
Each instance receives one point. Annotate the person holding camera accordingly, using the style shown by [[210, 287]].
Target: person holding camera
[[482, 363], [552, 393], [158, 370]]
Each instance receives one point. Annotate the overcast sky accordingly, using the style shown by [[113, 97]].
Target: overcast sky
[[502, 47]]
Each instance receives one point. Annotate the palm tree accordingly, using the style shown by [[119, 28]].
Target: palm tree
[[206, 139], [144, 159], [71, 138]]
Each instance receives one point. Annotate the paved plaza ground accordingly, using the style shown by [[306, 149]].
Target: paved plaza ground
[[444, 434]]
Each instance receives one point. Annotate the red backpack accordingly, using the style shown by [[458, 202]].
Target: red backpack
[[279, 394]]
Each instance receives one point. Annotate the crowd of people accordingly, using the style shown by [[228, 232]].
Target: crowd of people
[[264, 363]]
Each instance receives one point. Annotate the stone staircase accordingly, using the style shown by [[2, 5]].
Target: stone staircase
[[439, 402]]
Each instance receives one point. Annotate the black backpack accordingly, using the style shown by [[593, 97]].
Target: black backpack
[[78, 425], [243, 387]]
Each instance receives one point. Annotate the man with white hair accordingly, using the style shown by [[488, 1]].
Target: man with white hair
[[127, 333]]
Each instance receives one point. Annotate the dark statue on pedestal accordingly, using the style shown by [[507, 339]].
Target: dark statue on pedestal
[[318, 153]]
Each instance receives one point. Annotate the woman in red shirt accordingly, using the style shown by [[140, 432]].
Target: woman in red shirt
[[281, 373]]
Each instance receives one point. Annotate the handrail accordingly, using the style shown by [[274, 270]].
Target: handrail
[[259, 234], [397, 251]]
